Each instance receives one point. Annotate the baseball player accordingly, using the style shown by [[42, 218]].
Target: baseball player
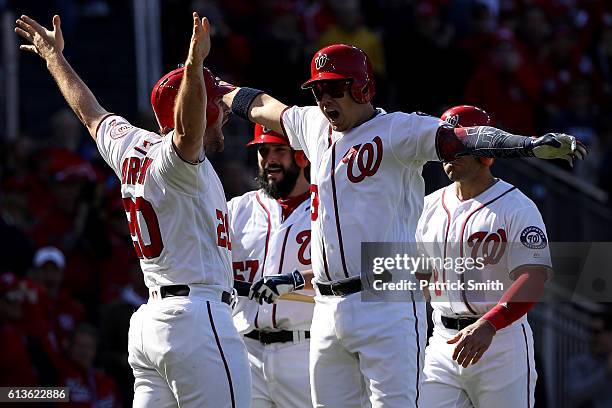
[[367, 187], [481, 353], [270, 230], [183, 347]]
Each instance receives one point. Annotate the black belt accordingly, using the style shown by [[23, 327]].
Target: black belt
[[342, 287], [282, 336], [458, 323], [183, 290]]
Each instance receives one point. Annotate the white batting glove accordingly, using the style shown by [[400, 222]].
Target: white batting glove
[[269, 288], [558, 146]]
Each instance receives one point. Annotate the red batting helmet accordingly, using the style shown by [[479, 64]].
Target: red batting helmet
[[265, 135], [465, 116], [165, 92], [341, 61]]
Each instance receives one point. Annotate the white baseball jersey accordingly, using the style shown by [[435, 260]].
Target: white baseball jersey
[[176, 210], [265, 243], [501, 226], [366, 182]]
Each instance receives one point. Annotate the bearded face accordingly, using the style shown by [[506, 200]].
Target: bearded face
[[278, 171]]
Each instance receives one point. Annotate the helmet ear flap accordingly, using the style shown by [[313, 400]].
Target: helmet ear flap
[[300, 159], [362, 94]]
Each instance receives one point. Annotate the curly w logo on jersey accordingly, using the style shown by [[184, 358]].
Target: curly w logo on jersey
[[368, 156]]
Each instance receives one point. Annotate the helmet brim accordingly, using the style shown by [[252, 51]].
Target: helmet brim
[[322, 76], [267, 138]]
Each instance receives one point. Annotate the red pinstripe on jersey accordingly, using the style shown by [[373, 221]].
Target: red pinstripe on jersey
[[448, 223], [338, 228], [280, 270], [463, 225], [263, 267]]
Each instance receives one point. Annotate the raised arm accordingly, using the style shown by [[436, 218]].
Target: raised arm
[[487, 141], [49, 44], [190, 106], [256, 106]]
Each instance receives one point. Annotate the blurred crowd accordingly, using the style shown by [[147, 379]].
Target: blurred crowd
[[69, 278]]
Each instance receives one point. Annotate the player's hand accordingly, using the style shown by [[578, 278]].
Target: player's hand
[[200, 41], [269, 288], [472, 342], [558, 146], [43, 42]]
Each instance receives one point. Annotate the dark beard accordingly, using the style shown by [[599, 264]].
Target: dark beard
[[282, 188]]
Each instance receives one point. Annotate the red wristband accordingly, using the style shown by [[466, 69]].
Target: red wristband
[[496, 317], [503, 315]]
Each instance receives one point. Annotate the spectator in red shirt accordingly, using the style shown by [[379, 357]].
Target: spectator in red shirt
[[16, 368], [88, 387], [507, 84], [64, 313]]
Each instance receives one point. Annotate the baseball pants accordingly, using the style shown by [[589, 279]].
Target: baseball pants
[[185, 352], [366, 354], [505, 376], [280, 374]]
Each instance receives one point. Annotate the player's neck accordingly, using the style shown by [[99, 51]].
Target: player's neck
[[366, 113], [468, 189]]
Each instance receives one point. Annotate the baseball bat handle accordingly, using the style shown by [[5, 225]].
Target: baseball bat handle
[[243, 288]]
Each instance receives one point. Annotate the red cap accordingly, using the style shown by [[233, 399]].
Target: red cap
[[265, 135], [466, 116]]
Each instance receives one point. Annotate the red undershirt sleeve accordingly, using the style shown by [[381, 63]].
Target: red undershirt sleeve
[[522, 295]]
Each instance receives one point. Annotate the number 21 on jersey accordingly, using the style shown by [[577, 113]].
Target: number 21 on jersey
[[223, 238]]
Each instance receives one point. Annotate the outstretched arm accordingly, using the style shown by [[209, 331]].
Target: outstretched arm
[[190, 106], [49, 44], [487, 141], [256, 106]]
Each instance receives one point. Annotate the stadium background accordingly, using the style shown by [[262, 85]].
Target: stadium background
[[535, 65]]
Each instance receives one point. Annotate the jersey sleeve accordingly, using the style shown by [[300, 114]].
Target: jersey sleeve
[[528, 241], [115, 136], [232, 208], [171, 169], [424, 249], [414, 137], [297, 122]]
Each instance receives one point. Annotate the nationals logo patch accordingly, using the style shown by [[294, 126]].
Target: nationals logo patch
[[533, 237], [118, 130]]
